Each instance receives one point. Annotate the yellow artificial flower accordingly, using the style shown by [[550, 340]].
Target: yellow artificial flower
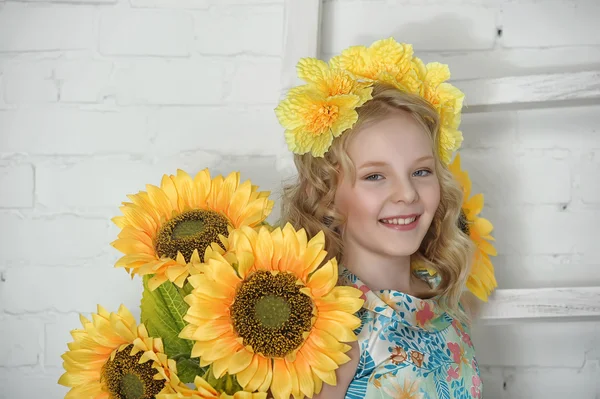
[[322, 109], [382, 57], [113, 357], [446, 99], [312, 120], [273, 318], [167, 228], [481, 281], [203, 390]]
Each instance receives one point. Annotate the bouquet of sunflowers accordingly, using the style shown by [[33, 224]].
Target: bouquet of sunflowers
[[231, 307]]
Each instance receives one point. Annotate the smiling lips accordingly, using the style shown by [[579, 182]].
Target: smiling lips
[[403, 223]]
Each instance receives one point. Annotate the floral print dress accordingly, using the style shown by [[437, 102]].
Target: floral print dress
[[410, 349]]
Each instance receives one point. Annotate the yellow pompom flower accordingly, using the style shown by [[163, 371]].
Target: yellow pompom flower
[[273, 318], [481, 281], [166, 229], [446, 99], [113, 357], [383, 57], [315, 113]]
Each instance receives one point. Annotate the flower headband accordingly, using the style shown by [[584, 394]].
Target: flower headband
[[325, 107]]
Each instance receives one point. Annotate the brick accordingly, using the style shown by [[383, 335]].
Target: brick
[[76, 289], [181, 82], [191, 4], [256, 82], [60, 130], [256, 30], [589, 178], [28, 383], [574, 128], [543, 230], [555, 24], [523, 178], [490, 130], [30, 83], [504, 62], [59, 187], [45, 27], [473, 28], [83, 81], [17, 186], [57, 335], [146, 32], [224, 130], [22, 341], [54, 240], [535, 343], [78, 2], [250, 2]]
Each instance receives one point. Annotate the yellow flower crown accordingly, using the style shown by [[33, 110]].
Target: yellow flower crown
[[315, 113]]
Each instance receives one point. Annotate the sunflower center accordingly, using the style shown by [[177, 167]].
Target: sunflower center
[[271, 314], [463, 223], [272, 311], [132, 387], [195, 229], [124, 378]]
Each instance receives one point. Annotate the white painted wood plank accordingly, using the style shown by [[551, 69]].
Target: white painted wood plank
[[566, 86], [301, 37], [542, 303]]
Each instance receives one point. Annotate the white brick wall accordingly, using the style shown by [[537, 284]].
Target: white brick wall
[[99, 97]]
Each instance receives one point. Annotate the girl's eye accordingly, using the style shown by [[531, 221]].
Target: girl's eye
[[422, 173], [374, 177]]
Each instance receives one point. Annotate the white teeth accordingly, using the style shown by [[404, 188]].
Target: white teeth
[[400, 221]]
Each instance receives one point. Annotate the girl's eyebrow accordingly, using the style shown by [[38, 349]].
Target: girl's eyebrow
[[381, 163]]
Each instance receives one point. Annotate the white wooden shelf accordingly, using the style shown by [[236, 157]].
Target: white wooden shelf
[[507, 305], [518, 90]]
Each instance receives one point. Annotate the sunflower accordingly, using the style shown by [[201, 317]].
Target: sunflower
[[481, 281], [167, 228], [272, 312], [114, 358], [203, 390]]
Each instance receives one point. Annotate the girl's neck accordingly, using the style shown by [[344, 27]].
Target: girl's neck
[[381, 273]]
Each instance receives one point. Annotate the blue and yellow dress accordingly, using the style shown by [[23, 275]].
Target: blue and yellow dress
[[411, 349]]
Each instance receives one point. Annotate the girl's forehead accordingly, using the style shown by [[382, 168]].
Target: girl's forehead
[[393, 136]]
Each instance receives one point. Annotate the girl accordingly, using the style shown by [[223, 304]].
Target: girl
[[373, 132]]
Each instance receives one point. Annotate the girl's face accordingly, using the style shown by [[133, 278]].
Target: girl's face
[[390, 203]]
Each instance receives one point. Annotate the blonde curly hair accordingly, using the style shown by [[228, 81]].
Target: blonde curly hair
[[309, 201]]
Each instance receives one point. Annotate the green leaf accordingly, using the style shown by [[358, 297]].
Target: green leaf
[[188, 369], [162, 311]]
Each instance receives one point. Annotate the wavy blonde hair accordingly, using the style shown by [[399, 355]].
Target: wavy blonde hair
[[309, 201]]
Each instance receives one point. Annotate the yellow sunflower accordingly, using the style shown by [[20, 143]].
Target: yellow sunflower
[[166, 229], [315, 113], [272, 312], [481, 281], [203, 390], [114, 358]]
